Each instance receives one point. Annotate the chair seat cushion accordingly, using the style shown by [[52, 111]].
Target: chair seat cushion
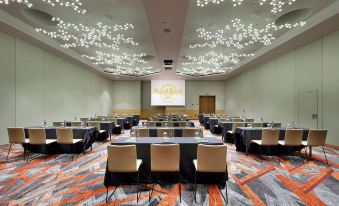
[[195, 162], [282, 142], [139, 162], [102, 131], [259, 142], [50, 141], [77, 140], [26, 141], [231, 132]]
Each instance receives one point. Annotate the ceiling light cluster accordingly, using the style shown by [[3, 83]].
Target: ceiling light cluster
[[80, 35], [277, 5], [240, 36], [125, 70], [203, 70], [74, 4], [214, 59], [102, 58]]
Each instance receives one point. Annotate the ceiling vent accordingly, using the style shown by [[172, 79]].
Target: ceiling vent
[[168, 64]]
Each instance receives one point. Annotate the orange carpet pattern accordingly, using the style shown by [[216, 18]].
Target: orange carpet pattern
[[80, 182]]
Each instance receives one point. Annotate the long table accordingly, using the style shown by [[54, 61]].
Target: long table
[[244, 135], [188, 152], [88, 134], [153, 131]]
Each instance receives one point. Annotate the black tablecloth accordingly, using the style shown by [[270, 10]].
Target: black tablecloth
[[213, 121], [188, 152], [121, 121], [108, 126], [205, 121], [136, 119], [244, 135], [88, 134], [227, 126]]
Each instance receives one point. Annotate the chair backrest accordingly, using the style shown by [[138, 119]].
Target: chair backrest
[[236, 120], [276, 124], [122, 158], [165, 157], [270, 137], [37, 136], [143, 132], [58, 124], [211, 158], [316, 137], [95, 124], [237, 124], [257, 124], [84, 119], [167, 124], [190, 132], [160, 132], [76, 123], [16, 135], [183, 124], [293, 137], [152, 124], [64, 135], [98, 119], [249, 120]]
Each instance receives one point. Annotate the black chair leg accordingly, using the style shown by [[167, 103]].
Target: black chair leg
[[139, 190], [10, 146], [150, 182], [25, 150], [325, 154], [224, 197], [72, 152], [195, 187], [107, 194], [116, 187], [260, 154]]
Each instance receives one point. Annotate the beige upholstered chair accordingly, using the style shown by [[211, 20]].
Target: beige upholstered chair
[[316, 138], [165, 158], [58, 124], [122, 159], [65, 136], [212, 159], [269, 137], [160, 132], [236, 125], [167, 124], [96, 124], [76, 123], [276, 124], [249, 120], [151, 124], [37, 136], [143, 132], [257, 124], [84, 119], [189, 132], [17, 136], [184, 124], [293, 138], [98, 119], [236, 120]]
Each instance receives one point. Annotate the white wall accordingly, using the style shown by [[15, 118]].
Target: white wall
[[270, 90], [127, 95], [36, 85]]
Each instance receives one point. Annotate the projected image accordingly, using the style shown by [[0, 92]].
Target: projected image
[[168, 93]]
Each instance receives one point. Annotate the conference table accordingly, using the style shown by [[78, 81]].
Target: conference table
[[88, 134], [188, 152], [244, 135], [108, 126], [153, 131]]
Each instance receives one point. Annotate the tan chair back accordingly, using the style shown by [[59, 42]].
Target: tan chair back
[[84, 119], [165, 157], [122, 158], [58, 124], [276, 124], [160, 132], [189, 132], [258, 124], [211, 158], [94, 124], [143, 132], [316, 137], [37, 136], [98, 119], [270, 137], [167, 124], [76, 124], [152, 124], [184, 124], [64, 135], [16, 135], [293, 137], [236, 120], [236, 125], [249, 120]]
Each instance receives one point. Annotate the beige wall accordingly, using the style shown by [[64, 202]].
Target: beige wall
[[126, 97], [36, 85], [271, 90]]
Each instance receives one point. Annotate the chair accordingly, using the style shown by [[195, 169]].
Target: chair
[[236, 120], [96, 124], [184, 124], [85, 119], [165, 158], [17, 136], [160, 132], [189, 132], [249, 120], [122, 159], [98, 119], [269, 137], [76, 124], [293, 138], [316, 138], [58, 124], [276, 124], [142, 132], [37, 136], [152, 124], [65, 137], [211, 159], [258, 124]]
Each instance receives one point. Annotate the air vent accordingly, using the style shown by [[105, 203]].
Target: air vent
[[168, 64]]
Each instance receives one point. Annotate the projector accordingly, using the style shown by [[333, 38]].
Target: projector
[[168, 64]]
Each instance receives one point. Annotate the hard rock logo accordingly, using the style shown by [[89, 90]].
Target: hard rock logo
[[167, 92]]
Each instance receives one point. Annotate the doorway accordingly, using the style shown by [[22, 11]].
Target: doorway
[[308, 109], [206, 104]]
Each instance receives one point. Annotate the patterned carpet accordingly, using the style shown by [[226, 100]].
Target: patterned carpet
[[80, 182]]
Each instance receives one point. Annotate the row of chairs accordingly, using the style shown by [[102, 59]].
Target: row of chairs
[[165, 158], [167, 124], [293, 137], [144, 132], [37, 136]]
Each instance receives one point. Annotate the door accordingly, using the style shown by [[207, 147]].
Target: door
[[206, 104], [308, 109]]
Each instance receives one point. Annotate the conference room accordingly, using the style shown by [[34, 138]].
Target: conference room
[[169, 102]]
